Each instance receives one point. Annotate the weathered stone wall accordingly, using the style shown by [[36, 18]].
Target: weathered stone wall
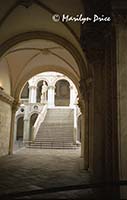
[[5, 121], [122, 101]]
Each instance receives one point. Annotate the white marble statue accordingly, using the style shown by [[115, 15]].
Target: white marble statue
[[43, 92]]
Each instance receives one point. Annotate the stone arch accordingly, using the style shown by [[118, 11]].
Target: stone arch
[[63, 78], [40, 79], [25, 91], [80, 60], [40, 69], [85, 73]]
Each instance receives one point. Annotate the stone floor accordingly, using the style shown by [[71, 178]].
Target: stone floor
[[33, 169]]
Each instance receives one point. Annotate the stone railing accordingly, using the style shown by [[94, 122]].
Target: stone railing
[[38, 122]]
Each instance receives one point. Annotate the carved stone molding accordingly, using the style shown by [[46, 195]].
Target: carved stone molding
[[6, 98]]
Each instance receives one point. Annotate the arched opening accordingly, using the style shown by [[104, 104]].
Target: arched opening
[[25, 93], [20, 129], [56, 121], [48, 61], [62, 93]]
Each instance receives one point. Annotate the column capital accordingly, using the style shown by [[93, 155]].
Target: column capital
[[32, 86], [51, 87]]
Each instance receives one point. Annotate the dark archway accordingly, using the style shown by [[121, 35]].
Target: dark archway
[[20, 127]]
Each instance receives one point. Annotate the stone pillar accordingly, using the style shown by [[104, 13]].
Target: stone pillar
[[26, 124], [26, 130], [11, 142], [75, 126], [99, 51], [120, 19], [51, 96], [84, 134], [32, 93], [72, 96]]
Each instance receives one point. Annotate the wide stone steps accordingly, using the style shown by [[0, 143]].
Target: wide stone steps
[[53, 147], [56, 132]]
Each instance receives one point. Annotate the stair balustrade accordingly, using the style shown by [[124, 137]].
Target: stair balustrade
[[38, 122]]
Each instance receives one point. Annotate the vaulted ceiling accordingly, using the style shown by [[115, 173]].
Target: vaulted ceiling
[[25, 58]]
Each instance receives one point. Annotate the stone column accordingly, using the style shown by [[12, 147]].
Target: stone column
[[71, 96], [51, 95], [26, 130], [120, 23], [84, 134], [11, 142], [32, 93], [75, 126], [99, 51], [26, 124]]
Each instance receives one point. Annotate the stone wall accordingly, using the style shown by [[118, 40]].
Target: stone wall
[[122, 102], [5, 121]]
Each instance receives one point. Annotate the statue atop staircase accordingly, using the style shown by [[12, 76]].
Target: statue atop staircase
[[44, 92]]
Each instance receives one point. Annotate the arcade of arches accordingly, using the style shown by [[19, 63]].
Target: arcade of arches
[[90, 65]]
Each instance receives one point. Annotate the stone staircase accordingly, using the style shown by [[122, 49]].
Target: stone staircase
[[56, 132]]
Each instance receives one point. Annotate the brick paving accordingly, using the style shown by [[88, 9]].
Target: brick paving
[[31, 169]]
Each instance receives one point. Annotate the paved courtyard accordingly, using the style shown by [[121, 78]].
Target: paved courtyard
[[33, 169]]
